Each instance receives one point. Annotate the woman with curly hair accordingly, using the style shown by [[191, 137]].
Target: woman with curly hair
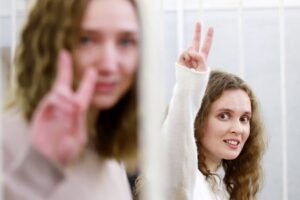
[[214, 137], [72, 123], [229, 137]]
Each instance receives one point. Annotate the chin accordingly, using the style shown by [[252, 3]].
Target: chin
[[231, 156], [103, 104]]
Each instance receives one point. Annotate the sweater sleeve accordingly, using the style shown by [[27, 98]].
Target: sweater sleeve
[[27, 174], [31, 177], [178, 132]]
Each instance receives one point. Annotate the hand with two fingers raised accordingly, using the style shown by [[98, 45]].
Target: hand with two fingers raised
[[194, 56], [59, 123]]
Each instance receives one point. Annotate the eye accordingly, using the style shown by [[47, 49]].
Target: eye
[[223, 116], [245, 119], [84, 40], [127, 42]]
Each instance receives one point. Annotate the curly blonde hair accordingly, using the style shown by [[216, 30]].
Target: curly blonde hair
[[53, 25], [243, 175]]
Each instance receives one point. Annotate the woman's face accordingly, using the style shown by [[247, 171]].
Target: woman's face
[[227, 126], [109, 39]]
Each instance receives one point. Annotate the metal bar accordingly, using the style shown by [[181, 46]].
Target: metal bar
[[283, 100]]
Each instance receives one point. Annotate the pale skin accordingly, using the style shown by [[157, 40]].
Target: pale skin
[[61, 114], [227, 128], [195, 56], [105, 58]]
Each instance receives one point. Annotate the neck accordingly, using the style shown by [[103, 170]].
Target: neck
[[212, 165], [211, 162]]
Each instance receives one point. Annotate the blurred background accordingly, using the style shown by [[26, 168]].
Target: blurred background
[[256, 39]]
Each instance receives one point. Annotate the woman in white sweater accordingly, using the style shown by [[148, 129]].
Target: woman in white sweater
[[218, 156]]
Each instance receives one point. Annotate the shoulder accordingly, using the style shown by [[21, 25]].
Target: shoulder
[[201, 190], [100, 177], [15, 134]]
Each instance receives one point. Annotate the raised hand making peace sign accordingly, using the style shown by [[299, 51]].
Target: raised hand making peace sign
[[194, 57], [59, 122]]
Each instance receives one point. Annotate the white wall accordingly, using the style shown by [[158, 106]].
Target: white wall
[[256, 44], [250, 44]]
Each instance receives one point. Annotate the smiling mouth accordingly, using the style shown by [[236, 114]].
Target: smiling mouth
[[232, 142]]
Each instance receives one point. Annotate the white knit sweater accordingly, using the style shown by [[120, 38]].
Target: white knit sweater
[[186, 181]]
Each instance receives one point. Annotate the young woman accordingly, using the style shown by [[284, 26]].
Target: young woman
[[73, 120], [229, 134], [218, 156]]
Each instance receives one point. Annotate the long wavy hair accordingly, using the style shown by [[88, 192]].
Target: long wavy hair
[[53, 25], [243, 175]]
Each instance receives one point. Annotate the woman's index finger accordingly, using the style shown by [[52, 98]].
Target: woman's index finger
[[208, 41], [197, 37], [64, 75]]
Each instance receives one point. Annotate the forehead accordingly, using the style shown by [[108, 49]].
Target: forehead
[[110, 14], [234, 99]]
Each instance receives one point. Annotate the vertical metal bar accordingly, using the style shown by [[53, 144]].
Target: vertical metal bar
[[283, 99], [241, 45], [201, 12], [13, 42], [151, 100], [1, 103], [13, 28], [180, 25]]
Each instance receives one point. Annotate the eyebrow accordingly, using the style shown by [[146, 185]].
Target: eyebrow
[[231, 111], [96, 31]]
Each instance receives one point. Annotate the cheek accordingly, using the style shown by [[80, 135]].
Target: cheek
[[128, 70], [127, 79], [209, 133], [130, 61], [246, 134], [81, 61], [216, 127], [86, 56]]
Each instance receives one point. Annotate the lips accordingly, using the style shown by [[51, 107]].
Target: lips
[[105, 87], [232, 143]]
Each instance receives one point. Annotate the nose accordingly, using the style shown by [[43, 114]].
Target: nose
[[237, 127], [107, 61]]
